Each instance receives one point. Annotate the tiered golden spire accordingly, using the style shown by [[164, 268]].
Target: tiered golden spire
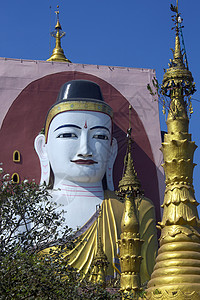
[[177, 271], [58, 53], [130, 242], [129, 179]]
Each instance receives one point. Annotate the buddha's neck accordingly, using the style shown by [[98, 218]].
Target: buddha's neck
[[73, 190], [78, 200]]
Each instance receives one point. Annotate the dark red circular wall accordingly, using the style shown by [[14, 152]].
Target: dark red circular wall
[[26, 118]]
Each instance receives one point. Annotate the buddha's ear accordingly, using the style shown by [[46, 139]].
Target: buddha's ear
[[40, 148], [111, 161]]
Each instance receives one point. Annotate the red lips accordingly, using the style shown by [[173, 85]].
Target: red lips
[[84, 162]]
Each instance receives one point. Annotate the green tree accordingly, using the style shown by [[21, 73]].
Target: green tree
[[29, 222], [28, 217]]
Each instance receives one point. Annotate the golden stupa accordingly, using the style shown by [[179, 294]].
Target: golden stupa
[[100, 261], [130, 243], [58, 53], [176, 274]]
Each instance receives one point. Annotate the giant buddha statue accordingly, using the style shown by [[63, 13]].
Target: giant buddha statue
[[77, 153]]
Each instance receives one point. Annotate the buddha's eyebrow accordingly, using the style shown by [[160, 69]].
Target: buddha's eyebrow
[[67, 125], [101, 127]]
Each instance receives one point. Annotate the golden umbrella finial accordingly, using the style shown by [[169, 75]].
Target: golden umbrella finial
[[57, 12], [58, 21], [58, 53], [178, 82]]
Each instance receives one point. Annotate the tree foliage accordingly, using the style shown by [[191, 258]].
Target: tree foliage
[[29, 222], [28, 217]]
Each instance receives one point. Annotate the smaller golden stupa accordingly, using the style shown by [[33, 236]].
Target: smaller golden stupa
[[100, 261], [130, 242], [58, 53], [176, 274]]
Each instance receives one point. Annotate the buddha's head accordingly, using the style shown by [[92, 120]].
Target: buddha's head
[[77, 144]]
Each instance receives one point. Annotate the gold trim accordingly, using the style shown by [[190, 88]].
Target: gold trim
[[76, 106]]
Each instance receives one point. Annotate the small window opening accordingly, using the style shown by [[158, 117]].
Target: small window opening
[[15, 177], [16, 156]]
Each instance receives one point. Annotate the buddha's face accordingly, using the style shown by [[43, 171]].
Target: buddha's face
[[79, 145]]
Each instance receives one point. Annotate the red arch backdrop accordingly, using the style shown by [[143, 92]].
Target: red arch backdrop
[[26, 118]]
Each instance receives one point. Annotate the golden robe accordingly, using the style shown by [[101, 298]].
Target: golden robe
[[82, 255]]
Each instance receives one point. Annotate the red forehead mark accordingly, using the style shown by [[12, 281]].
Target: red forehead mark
[[85, 126]]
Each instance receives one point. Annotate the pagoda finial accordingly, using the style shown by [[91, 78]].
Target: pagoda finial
[[58, 53], [129, 179], [177, 77], [176, 274], [178, 82], [100, 261], [58, 22]]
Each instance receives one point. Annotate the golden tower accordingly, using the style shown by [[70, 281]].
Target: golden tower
[[58, 53], [176, 274], [130, 242]]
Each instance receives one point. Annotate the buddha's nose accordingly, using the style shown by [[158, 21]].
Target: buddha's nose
[[84, 148]]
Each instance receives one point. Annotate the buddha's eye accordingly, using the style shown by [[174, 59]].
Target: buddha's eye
[[67, 135], [100, 137]]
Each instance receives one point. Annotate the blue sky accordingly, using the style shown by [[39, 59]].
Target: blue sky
[[106, 32]]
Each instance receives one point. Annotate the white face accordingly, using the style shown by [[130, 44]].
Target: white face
[[79, 145]]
